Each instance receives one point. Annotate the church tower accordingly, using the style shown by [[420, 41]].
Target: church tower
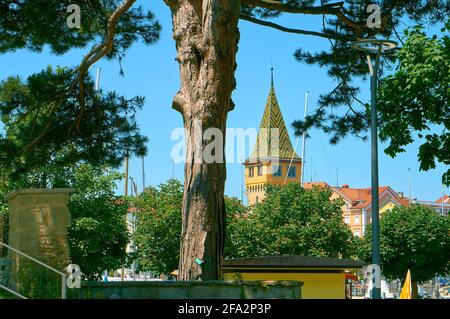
[[273, 160]]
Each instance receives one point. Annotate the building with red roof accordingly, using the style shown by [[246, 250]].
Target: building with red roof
[[357, 208]]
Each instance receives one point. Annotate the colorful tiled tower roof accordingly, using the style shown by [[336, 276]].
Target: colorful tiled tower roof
[[267, 144]]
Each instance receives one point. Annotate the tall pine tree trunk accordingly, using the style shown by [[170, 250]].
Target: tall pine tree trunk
[[206, 36]]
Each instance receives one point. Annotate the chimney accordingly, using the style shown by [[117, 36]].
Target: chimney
[[345, 186], [401, 194]]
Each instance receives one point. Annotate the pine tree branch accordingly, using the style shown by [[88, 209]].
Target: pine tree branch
[[331, 9], [99, 52], [36, 140], [290, 30]]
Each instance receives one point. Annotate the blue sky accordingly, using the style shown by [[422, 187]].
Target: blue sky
[[152, 71]]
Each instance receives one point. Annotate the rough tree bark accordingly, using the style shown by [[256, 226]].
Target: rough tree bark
[[206, 36]]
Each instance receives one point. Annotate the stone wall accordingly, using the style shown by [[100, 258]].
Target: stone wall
[[188, 290], [38, 222]]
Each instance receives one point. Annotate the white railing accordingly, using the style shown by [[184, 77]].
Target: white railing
[[63, 275]]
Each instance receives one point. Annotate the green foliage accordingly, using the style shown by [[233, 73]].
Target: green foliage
[[310, 225], [6, 295], [45, 123], [55, 116], [234, 208], [158, 227], [416, 98], [3, 206], [98, 235], [4, 222], [290, 220], [414, 238], [36, 282], [32, 24]]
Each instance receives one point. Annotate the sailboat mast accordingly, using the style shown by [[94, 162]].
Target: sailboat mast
[[304, 142]]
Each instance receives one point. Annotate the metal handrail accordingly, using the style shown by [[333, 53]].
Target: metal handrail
[[63, 275]]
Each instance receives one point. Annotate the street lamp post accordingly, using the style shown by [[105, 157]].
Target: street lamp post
[[374, 47]]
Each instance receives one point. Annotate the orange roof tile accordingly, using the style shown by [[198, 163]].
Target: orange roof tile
[[404, 201], [360, 197], [317, 184], [446, 199]]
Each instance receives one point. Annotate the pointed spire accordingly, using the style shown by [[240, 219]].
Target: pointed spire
[[272, 119]]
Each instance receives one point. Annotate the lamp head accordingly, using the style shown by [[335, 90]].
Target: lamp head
[[373, 45]]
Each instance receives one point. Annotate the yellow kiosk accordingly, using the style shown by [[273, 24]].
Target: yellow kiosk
[[323, 278]]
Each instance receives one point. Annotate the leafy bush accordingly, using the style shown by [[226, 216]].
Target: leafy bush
[[292, 221]]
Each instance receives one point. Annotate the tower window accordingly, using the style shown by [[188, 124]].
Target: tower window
[[251, 172], [292, 172], [277, 170], [260, 170]]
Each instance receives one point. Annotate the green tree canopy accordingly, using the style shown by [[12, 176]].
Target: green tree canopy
[[158, 226], [98, 233], [42, 112], [414, 238], [32, 24], [414, 102], [290, 220], [56, 115]]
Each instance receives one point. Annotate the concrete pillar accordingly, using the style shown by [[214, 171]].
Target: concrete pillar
[[38, 222]]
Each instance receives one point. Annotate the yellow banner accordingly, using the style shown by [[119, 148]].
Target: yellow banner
[[407, 288]]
